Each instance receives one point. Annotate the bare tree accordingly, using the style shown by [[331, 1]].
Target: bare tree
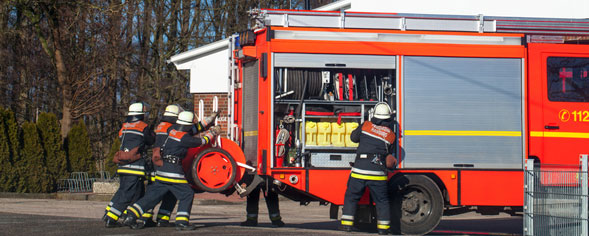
[[87, 60]]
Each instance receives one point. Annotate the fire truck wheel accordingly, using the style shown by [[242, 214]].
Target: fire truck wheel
[[416, 205], [214, 170]]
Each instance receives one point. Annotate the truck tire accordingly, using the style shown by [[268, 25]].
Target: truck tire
[[416, 205], [214, 170]]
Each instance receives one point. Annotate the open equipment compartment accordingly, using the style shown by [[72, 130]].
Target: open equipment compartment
[[319, 99]]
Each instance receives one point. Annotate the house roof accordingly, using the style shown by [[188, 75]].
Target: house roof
[[181, 59], [187, 56], [336, 6]]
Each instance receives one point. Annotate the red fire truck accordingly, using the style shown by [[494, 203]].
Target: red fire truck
[[474, 97]]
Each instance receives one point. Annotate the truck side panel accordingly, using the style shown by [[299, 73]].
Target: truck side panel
[[329, 184], [559, 113], [491, 188]]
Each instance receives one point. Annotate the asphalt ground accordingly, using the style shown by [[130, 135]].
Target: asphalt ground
[[67, 217]]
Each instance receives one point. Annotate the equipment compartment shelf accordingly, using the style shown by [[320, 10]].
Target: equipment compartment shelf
[[343, 117], [331, 148], [323, 102]]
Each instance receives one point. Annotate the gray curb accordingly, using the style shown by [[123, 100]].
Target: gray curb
[[99, 197]]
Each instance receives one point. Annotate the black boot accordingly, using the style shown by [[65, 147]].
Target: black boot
[[164, 223], [185, 226], [150, 223], [141, 223], [346, 228], [104, 217], [383, 231], [250, 222], [111, 223], [131, 221], [277, 223]]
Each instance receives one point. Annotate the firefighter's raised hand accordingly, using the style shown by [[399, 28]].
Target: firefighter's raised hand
[[215, 130], [210, 120], [211, 134], [209, 137]]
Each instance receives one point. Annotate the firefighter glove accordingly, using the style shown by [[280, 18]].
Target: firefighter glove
[[208, 136], [208, 121], [215, 130], [391, 161]]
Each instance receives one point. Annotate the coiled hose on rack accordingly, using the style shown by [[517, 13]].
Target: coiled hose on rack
[[296, 82]]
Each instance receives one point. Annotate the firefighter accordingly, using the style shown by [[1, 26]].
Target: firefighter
[[161, 133], [170, 176], [135, 136], [253, 200], [375, 138], [169, 201]]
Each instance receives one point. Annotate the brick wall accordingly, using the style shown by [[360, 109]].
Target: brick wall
[[207, 99]]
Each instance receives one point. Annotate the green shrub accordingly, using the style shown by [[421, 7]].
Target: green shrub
[[6, 181], [55, 158], [12, 130], [32, 165], [109, 165], [78, 149]]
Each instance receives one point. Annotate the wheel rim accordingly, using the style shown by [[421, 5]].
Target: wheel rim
[[416, 205], [214, 170]]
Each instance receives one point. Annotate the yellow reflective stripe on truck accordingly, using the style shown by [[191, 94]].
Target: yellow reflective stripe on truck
[[558, 134], [250, 133], [495, 133], [462, 133]]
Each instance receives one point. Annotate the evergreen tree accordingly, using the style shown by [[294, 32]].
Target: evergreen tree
[[109, 165], [13, 131], [79, 151], [35, 174], [52, 145], [5, 166]]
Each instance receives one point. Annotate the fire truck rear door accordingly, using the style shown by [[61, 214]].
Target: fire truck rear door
[[561, 73]]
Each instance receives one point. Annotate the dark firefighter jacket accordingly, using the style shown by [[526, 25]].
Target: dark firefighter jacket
[[376, 139], [176, 146], [135, 134], [161, 133]]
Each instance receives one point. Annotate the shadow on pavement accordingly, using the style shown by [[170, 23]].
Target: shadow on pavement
[[508, 226]]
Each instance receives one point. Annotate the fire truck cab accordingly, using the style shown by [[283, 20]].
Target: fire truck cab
[[474, 97]]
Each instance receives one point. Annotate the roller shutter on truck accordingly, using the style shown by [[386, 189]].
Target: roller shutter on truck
[[250, 111], [462, 112]]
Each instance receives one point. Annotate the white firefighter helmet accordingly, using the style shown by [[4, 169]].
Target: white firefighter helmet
[[172, 110], [185, 118], [382, 111], [137, 108]]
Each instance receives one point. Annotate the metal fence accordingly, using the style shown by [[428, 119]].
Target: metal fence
[[556, 199], [81, 182]]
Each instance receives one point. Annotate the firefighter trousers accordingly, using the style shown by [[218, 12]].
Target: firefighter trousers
[[378, 192], [253, 200], [131, 188], [167, 206], [154, 194]]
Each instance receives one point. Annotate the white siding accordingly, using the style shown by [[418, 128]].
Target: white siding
[[208, 66], [209, 73], [519, 8]]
